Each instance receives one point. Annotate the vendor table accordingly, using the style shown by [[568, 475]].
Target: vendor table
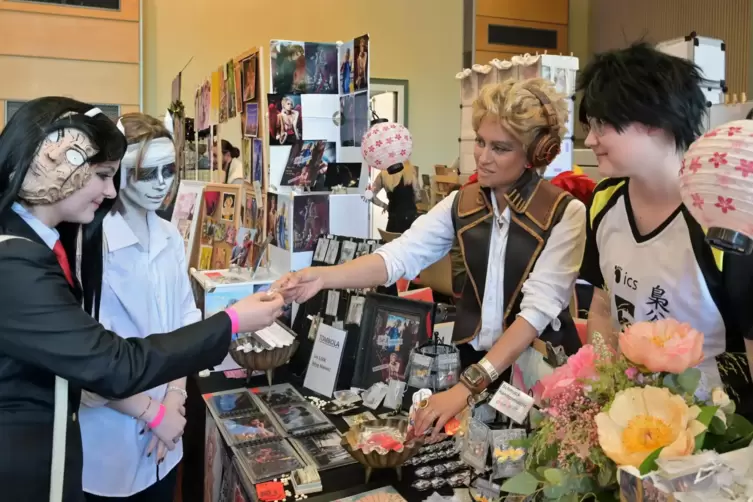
[[337, 483]]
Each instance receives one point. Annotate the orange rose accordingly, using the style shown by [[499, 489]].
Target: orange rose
[[666, 345]]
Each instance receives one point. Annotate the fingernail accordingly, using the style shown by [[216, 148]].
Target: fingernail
[[142, 432], [148, 454], [160, 461]]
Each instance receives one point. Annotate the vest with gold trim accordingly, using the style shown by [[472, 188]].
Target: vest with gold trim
[[536, 206]]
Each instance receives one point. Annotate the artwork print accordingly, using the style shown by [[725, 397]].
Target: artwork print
[[272, 217], [251, 122], [267, 461], [347, 121], [285, 119], [243, 247], [231, 98], [310, 220], [346, 68], [307, 164], [248, 77], [345, 174], [258, 161], [321, 68], [361, 56], [223, 97], [325, 450], [249, 428], [228, 206], [360, 116], [246, 158], [390, 328], [288, 64]]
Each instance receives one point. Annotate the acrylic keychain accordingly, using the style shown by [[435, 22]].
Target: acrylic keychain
[[476, 447], [508, 458]]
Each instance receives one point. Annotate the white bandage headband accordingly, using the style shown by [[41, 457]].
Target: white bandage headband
[[159, 152]]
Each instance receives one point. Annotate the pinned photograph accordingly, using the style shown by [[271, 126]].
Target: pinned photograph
[[285, 119], [344, 174], [221, 255], [258, 161], [223, 97], [321, 68], [281, 227], [248, 77], [346, 68], [347, 121], [288, 66], [205, 258], [361, 73], [249, 429], [307, 164], [361, 117], [228, 206], [211, 201], [242, 249], [272, 218], [310, 220], [251, 122], [231, 99], [246, 158]]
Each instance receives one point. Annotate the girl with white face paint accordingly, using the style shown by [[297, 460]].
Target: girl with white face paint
[[145, 290]]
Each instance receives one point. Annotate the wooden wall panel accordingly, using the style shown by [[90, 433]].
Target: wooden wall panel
[[2, 114], [128, 109], [129, 10], [28, 78], [66, 37], [543, 11], [482, 27], [616, 24]]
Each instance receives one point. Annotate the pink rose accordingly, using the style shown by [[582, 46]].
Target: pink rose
[[579, 367], [662, 346]]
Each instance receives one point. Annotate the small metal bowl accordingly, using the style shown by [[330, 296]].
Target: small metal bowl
[[375, 460], [266, 360]]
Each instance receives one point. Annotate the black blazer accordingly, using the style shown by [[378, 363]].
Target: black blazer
[[44, 332]]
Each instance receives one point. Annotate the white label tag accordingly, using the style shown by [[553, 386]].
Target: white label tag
[[512, 402], [333, 302]]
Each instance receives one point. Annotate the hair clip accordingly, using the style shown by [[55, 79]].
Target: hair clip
[[94, 111]]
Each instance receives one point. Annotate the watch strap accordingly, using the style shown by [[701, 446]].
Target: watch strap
[[489, 369], [474, 388]]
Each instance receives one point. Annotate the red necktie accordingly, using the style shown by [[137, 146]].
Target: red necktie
[[63, 261]]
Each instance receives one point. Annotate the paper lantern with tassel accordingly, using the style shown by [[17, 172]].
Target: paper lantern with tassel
[[386, 145], [716, 182]]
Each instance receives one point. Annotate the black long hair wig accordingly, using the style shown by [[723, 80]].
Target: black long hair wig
[[19, 142]]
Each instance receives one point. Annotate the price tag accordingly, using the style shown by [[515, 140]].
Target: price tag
[[270, 491], [511, 402]]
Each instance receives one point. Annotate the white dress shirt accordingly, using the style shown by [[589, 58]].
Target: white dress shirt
[[546, 291], [49, 235], [142, 293]]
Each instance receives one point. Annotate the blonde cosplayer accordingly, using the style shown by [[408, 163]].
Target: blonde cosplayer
[[532, 111]]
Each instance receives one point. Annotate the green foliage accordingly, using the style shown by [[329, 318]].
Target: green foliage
[[524, 483], [649, 464], [689, 379], [707, 413], [738, 434]]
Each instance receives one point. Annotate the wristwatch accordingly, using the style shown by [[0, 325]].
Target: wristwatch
[[475, 379]]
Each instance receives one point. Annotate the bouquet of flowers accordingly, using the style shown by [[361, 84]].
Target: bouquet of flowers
[[603, 410]]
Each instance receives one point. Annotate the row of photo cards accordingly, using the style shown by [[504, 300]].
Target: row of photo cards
[[275, 430], [308, 214]]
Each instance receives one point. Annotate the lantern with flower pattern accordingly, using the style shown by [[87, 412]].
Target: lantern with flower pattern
[[716, 182], [386, 145]]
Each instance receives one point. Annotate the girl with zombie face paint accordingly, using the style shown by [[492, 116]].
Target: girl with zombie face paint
[[59, 178], [145, 290]]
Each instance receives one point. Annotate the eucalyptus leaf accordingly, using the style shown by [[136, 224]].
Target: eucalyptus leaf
[[707, 413], [522, 484], [649, 464], [555, 492], [554, 476], [717, 426], [689, 380], [670, 381], [607, 475]]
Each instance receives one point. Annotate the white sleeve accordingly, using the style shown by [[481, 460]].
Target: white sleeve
[[428, 240], [549, 287]]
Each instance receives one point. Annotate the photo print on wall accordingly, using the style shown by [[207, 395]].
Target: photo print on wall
[[230, 84], [310, 220], [347, 120], [246, 158], [321, 68], [361, 116], [248, 78], [346, 68], [307, 164], [223, 97], [272, 217], [258, 161], [288, 65], [284, 207], [285, 119], [251, 122], [361, 63]]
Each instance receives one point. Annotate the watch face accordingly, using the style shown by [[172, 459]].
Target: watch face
[[474, 375]]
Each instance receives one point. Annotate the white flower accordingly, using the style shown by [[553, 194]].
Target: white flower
[[720, 398]]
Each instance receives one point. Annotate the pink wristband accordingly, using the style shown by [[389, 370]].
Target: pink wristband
[[158, 419], [234, 322]]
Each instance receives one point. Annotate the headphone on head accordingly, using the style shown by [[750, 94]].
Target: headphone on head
[[546, 146]]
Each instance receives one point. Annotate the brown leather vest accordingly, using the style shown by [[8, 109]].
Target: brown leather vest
[[535, 207]]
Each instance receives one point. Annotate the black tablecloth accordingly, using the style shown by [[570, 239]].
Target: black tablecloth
[[336, 483]]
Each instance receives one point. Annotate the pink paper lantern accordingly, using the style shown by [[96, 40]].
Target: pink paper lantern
[[716, 182], [386, 144]]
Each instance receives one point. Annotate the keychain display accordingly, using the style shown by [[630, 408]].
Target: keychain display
[[434, 365], [508, 459], [476, 447]]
